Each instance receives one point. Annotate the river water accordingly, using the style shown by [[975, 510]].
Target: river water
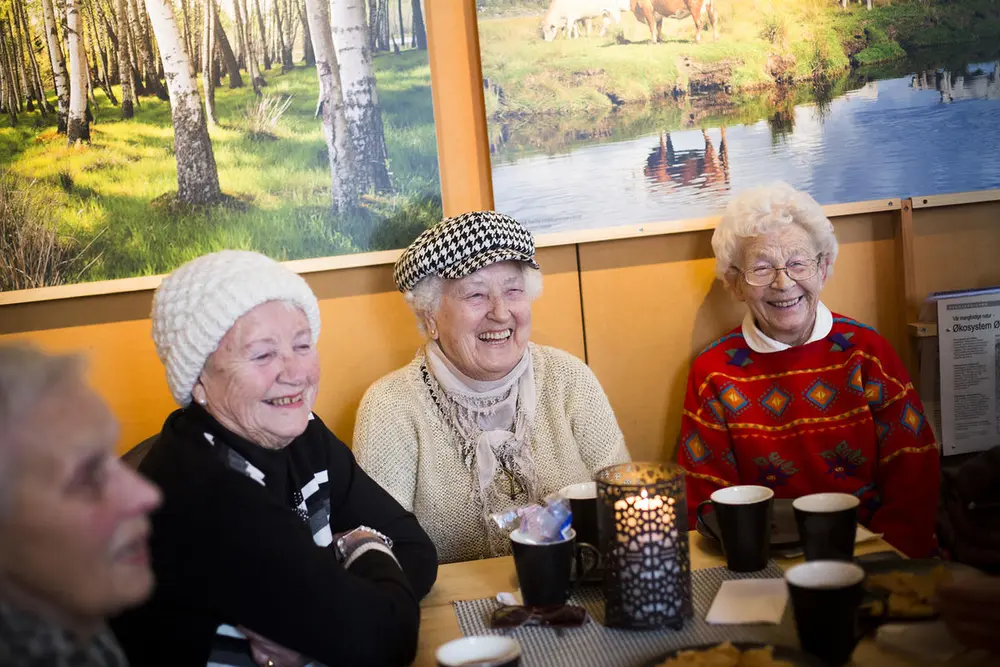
[[930, 125]]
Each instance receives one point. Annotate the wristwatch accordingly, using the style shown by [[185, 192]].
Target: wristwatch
[[342, 541]]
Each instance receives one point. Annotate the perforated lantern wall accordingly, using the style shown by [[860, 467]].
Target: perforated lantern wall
[[642, 519]]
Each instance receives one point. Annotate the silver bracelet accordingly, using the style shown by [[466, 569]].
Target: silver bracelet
[[342, 554]]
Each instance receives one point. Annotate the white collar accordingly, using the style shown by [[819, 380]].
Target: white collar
[[759, 342]]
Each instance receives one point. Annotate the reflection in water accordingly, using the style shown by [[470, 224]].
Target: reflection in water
[[952, 86], [848, 139], [667, 168]]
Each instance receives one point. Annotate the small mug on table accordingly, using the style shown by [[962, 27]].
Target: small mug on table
[[744, 514], [583, 502], [544, 568], [826, 600], [828, 524]]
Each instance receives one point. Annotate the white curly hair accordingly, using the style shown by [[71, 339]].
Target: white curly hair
[[425, 297], [763, 210]]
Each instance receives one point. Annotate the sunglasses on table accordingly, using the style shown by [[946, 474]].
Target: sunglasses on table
[[559, 616]]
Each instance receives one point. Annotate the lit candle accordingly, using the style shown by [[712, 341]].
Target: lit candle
[[644, 522]]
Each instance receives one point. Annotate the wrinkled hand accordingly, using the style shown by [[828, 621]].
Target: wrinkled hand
[[268, 654], [970, 607]]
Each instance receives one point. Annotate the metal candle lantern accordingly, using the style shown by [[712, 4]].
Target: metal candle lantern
[[642, 520]]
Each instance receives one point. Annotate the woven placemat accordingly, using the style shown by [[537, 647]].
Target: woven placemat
[[594, 645]]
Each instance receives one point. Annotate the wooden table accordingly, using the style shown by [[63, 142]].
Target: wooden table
[[485, 578]]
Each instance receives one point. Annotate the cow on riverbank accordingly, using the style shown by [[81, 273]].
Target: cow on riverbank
[[571, 15], [652, 13]]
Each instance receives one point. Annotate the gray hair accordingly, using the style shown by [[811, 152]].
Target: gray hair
[[763, 210], [425, 297], [27, 375]]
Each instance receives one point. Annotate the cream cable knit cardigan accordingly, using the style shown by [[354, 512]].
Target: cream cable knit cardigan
[[402, 440]]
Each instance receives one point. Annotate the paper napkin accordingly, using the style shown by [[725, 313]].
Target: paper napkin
[[927, 641], [749, 601]]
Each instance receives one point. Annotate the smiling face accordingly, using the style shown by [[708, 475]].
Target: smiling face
[[484, 321], [261, 382], [75, 530], [785, 310]]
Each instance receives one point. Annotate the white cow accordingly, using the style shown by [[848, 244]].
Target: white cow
[[843, 4], [571, 14]]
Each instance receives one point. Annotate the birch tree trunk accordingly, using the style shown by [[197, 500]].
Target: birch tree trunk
[[188, 43], [307, 45], [125, 62], [17, 55], [10, 101], [145, 47], [402, 26], [228, 57], [77, 127], [286, 49], [197, 176], [207, 60], [344, 188], [241, 44], [419, 31], [357, 77], [263, 35], [100, 57], [36, 71], [58, 64], [253, 67]]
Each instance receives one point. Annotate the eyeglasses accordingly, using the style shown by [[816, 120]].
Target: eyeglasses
[[798, 270], [560, 616]]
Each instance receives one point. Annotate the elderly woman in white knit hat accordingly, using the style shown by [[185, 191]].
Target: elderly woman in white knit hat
[[273, 547], [481, 420]]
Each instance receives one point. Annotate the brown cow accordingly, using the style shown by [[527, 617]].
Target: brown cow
[[652, 12], [689, 168]]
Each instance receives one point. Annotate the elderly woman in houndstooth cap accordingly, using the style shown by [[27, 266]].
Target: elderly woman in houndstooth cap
[[481, 420], [273, 547]]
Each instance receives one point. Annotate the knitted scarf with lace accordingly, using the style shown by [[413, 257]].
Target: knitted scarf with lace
[[493, 420]]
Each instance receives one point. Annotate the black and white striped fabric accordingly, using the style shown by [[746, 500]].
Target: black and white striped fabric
[[462, 245], [230, 648], [594, 645]]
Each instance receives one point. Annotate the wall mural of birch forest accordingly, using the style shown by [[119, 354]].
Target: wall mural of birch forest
[[137, 134]]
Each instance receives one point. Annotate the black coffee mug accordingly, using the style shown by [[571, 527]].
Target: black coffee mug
[[479, 651], [583, 502], [828, 525], [826, 596], [744, 514], [544, 568]]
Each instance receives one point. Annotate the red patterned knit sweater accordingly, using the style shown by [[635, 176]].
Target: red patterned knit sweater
[[838, 414]]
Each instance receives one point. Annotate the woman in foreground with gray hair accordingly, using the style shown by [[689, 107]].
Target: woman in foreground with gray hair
[[800, 399], [481, 420], [273, 547]]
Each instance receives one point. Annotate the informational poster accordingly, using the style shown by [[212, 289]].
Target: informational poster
[[969, 344]]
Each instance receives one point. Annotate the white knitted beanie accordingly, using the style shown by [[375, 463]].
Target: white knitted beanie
[[197, 304]]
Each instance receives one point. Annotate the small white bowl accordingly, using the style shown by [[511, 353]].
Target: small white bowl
[[480, 651]]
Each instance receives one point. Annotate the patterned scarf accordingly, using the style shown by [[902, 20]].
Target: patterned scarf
[[29, 641], [493, 420]]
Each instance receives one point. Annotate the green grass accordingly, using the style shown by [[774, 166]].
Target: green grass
[[110, 193], [761, 43]]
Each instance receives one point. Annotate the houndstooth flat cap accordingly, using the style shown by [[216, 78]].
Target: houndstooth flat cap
[[461, 245]]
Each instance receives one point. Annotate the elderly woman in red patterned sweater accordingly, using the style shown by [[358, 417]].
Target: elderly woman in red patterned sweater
[[800, 399]]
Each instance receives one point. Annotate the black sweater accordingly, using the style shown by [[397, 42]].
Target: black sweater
[[228, 549]]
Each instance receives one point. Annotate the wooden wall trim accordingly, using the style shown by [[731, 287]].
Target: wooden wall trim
[[956, 198]]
